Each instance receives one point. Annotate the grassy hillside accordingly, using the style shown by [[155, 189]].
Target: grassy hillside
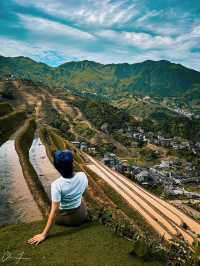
[[156, 118], [119, 82], [173, 125], [85, 245], [152, 117], [102, 113], [100, 116], [89, 244], [156, 78]]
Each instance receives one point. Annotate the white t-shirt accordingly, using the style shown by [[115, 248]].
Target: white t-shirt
[[68, 191]]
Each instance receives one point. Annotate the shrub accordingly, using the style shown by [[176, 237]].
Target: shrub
[[5, 108]]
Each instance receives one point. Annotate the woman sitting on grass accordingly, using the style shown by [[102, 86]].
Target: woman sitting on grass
[[67, 207]]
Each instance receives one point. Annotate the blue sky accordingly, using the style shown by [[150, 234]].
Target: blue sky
[[106, 31]]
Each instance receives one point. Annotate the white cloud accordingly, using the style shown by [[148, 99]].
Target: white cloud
[[164, 28], [196, 31], [170, 22], [183, 42], [93, 35], [176, 49], [136, 39], [42, 51], [146, 41], [92, 13], [105, 13], [10, 47], [143, 19], [48, 27]]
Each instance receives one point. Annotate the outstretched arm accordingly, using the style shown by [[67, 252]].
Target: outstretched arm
[[51, 219]]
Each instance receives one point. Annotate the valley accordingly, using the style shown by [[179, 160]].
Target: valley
[[142, 150]]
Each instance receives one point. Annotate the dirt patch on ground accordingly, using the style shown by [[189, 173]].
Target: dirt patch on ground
[[78, 120], [64, 107]]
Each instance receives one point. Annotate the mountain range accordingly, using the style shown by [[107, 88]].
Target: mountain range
[[155, 78]]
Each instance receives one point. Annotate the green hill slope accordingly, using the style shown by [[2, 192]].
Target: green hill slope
[[156, 78], [90, 244]]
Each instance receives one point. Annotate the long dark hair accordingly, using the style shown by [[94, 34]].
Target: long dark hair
[[65, 169]]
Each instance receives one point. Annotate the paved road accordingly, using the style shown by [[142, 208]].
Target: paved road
[[161, 215]]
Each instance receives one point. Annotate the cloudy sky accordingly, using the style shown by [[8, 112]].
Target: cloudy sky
[[107, 31]]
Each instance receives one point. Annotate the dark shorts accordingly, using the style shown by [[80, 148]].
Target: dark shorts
[[72, 217]]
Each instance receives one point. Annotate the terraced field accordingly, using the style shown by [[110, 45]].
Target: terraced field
[[167, 220], [21, 206], [17, 203]]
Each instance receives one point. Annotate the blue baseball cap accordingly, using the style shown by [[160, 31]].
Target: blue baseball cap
[[65, 156]]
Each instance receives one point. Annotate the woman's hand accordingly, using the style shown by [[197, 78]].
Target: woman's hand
[[37, 239], [41, 237]]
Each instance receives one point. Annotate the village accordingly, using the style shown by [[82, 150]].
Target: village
[[167, 174], [171, 105], [175, 143]]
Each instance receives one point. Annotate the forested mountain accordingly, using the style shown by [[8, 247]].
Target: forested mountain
[[154, 78]]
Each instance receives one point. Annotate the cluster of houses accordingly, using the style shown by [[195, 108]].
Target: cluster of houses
[[180, 191], [159, 174], [83, 146], [181, 112], [174, 143], [134, 172], [111, 160]]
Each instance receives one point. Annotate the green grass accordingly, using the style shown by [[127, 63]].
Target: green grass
[[89, 244], [140, 160], [192, 187], [157, 190]]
